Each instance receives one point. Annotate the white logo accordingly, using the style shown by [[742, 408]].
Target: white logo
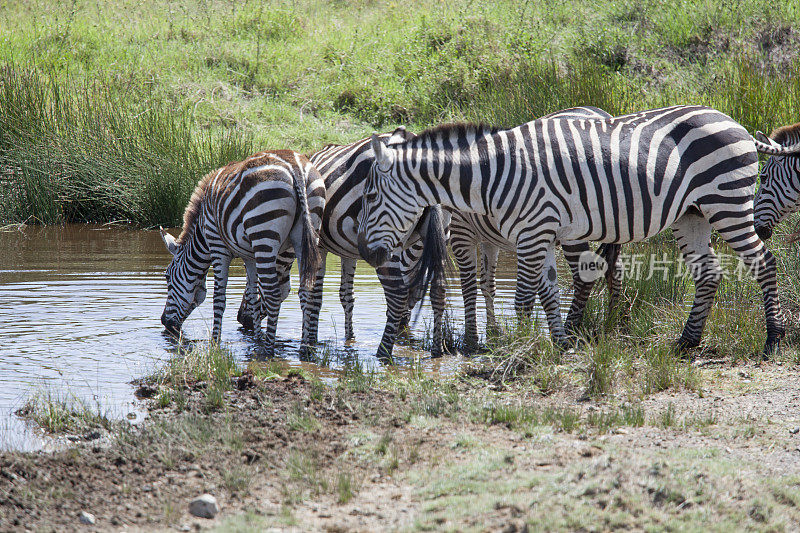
[[591, 266]]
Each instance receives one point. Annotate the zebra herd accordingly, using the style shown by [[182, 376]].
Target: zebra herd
[[568, 178]]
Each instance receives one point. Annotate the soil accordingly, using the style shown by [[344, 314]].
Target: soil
[[292, 455]]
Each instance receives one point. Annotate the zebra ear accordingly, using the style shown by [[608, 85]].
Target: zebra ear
[[383, 155], [169, 241], [766, 140]]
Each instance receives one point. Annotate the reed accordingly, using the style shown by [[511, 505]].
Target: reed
[[79, 151]]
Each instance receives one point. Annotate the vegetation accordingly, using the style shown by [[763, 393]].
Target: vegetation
[[107, 121], [59, 413]]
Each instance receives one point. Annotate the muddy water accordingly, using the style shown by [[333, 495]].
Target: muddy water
[[80, 308]]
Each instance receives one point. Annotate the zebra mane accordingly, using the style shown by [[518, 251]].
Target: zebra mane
[[786, 135], [193, 208], [457, 128]]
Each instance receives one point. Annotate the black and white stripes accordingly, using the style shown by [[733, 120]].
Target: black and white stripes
[[344, 169], [271, 202], [613, 180], [779, 194]]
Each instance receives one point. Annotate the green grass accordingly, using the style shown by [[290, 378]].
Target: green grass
[[57, 413], [105, 121]]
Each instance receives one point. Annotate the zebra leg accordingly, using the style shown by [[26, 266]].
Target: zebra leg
[[314, 302], [346, 296], [488, 284], [284, 267], [306, 338], [396, 292], [761, 264], [613, 278], [693, 234], [268, 281], [581, 290], [536, 272], [221, 266], [250, 306], [465, 255]]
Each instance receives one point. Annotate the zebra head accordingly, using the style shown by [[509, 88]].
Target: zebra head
[[390, 206], [779, 193], [186, 282]]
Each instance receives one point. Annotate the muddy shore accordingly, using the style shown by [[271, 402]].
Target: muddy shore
[[411, 453]]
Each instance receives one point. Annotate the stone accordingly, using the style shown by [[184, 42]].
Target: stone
[[87, 518], [204, 506]]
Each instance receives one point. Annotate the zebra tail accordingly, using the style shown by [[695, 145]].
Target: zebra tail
[[432, 264], [610, 254], [765, 145], [309, 253]]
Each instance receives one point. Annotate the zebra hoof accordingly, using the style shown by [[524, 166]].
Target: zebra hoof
[[246, 321], [383, 355], [565, 344], [683, 346], [493, 331], [470, 344], [771, 349], [307, 353]]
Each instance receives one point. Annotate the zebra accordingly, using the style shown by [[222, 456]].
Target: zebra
[[253, 209], [779, 194], [468, 230], [613, 180], [344, 169]]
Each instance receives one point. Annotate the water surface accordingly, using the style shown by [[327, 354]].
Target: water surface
[[80, 309]]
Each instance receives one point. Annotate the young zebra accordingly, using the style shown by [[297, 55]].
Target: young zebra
[[252, 209], [469, 230], [611, 180], [344, 169], [779, 194]]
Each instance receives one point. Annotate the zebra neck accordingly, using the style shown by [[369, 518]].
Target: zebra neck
[[200, 237], [458, 172]]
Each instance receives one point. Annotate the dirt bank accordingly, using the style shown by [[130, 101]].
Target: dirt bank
[[412, 453]]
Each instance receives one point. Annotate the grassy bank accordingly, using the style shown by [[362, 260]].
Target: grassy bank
[[463, 452], [113, 110]]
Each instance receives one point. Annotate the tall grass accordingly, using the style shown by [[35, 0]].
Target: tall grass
[[101, 121], [91, 151]]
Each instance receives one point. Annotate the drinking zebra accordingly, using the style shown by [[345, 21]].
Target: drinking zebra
[[611, 180], [254, 209], [344, 169], [469, 230], [779, 193]]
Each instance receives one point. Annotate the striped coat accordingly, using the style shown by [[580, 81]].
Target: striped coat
[[612, 180], [269, 203]]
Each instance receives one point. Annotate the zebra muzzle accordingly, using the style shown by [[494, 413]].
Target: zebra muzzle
[[171, 324], [763, 232], [375, 256]]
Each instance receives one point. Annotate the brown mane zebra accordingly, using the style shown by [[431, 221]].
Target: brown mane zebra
[[254, 209], [614, 180]]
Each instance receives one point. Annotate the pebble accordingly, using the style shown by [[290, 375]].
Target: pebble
[[87, 518], [794, 431], [204, 506]]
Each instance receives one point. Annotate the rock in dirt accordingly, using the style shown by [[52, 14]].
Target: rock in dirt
[[86, 518], [204, 506]]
